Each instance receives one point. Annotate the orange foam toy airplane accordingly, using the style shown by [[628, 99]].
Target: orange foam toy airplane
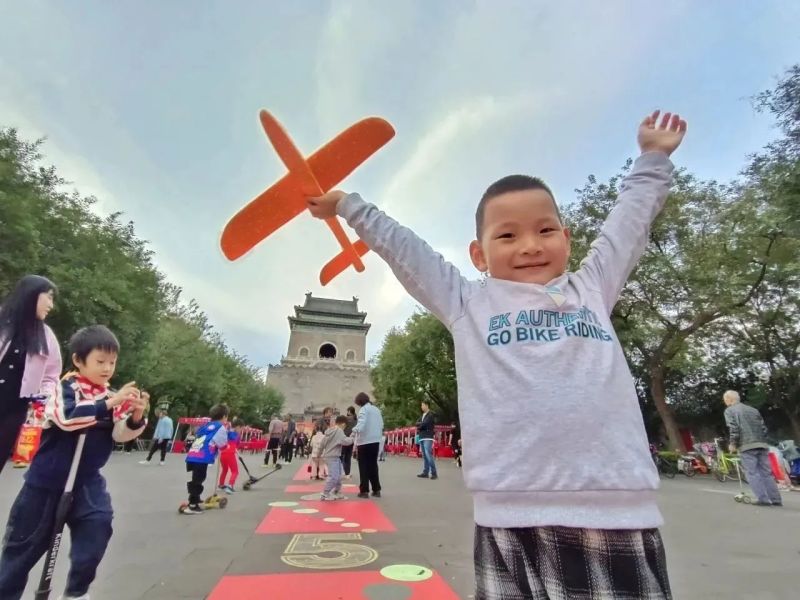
[[286, 198]]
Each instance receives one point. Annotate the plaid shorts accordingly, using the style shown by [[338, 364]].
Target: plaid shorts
[[564, 563]]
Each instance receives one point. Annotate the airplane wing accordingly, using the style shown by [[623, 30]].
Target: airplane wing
[[285, 200], [299, 168], [340, 262]]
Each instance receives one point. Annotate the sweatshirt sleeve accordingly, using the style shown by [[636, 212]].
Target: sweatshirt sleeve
[[733, 426], [53, 365], [625, 233], [220, 439], [127, 429], [361, 422], [424, 273], [70, 411], [343, 439]]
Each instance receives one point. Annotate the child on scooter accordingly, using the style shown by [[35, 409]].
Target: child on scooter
[[227, 457]]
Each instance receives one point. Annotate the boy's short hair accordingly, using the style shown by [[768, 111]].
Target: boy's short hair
[[341, 419], [93, 337], [218, 411], [237, 422], [509, 183]]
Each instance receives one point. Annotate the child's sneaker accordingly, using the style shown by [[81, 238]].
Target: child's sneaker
[[144, 462], [193, 509], [228, 489], [324, 496], [339, 496], [161, 463]]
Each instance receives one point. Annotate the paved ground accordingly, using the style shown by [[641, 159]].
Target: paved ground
[[716, 548]]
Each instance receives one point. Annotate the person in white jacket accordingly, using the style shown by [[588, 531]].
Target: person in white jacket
[[369, 432]]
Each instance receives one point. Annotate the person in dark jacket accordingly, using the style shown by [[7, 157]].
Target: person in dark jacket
[[347, 451], [425, 432], [455, 443], [748, 434], [30, 359], [81, 404]]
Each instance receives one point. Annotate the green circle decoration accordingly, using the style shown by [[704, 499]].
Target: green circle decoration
[[282, 504], [406, 573]]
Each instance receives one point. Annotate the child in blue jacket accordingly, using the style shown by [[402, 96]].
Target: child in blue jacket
[[210, 438]]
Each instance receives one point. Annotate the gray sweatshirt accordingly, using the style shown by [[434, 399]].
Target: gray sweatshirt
[[545, 358], [334, 440]]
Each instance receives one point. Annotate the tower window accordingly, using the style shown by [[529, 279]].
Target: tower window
[[351, 355], [303, 352], [327, 351]]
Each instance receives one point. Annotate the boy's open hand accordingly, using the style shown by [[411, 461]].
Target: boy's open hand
[[324, 207], [661, 137]]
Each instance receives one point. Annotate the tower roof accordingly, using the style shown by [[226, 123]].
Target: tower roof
[[329, 312]]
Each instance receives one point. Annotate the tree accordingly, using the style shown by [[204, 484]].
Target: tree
[[767, 333], [105, 274], [718, 254], [416, 363], [709, 251]]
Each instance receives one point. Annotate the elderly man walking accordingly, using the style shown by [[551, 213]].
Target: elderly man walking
[[748, 434]]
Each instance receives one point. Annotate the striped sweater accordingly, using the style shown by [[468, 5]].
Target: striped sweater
[[69, 412]]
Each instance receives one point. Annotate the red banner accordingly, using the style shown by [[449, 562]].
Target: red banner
[[27, 443]]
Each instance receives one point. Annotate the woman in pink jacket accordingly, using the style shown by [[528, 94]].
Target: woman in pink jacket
[[30, 359]]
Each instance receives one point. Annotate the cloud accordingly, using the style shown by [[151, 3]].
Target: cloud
[[475, 91], [437, 146], [18, 109]]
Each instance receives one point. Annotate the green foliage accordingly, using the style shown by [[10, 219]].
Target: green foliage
[[714, 303], [416, 363], [105, 274]]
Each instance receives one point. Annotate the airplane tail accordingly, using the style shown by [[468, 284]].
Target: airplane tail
[[341, 261]]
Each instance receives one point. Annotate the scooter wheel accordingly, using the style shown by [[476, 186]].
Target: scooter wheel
[[183, 507], [223, 502], [737, 498], [747, 500], [278, 467], [246, 485]]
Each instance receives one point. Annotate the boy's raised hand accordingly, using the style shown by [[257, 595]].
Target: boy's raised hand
[[324, 207], [139, 405], [661, 137], [126, 392]]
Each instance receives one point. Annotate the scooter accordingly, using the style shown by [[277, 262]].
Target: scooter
[[251, 480], [213, 501]]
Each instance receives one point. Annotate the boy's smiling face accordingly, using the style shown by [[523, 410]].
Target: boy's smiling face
[[522, 238]]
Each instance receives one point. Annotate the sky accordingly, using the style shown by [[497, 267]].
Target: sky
[[153, 108]]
